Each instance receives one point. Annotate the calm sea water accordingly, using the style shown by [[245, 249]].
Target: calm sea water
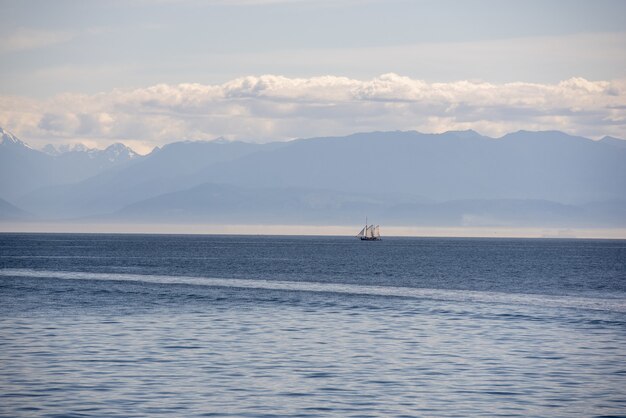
[[156, 325]]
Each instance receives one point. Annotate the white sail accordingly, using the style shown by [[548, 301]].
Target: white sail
[[369, 232]]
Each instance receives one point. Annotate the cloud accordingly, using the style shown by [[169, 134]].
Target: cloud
[[273, 107], [23, 39]]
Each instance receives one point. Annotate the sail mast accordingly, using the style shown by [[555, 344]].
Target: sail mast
[[369, 232]]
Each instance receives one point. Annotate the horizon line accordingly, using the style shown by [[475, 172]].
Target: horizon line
[[314, 230]]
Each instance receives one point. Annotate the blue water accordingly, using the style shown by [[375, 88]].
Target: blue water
[[158, 325]]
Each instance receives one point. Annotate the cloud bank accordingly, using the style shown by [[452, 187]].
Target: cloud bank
[[273, 107]]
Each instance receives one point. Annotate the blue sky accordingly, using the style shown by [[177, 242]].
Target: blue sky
[[68, 67]]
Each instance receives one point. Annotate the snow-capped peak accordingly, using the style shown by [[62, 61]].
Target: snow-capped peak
[[65, 148], [119, 152], [8, 139], [114, 153], [50, 150]]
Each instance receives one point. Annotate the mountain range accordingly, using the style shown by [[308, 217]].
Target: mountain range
[[398, 178], [24, 169]]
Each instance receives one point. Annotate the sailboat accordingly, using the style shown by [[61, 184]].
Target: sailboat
[[369, 232]]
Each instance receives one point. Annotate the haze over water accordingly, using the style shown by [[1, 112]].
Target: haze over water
[[162, 325]]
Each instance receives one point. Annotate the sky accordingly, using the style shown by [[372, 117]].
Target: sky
[[147, 73]]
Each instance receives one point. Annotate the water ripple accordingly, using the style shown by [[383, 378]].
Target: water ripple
[[609, 304]]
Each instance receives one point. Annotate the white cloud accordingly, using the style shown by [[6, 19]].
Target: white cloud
[[276, 107]]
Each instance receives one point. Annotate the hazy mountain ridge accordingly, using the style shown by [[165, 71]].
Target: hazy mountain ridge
[[114, 153], [616, 142], [9, 211], [219, 203], [7, 139], [453, 178], [451, 166], [24, 169], [154, 174]]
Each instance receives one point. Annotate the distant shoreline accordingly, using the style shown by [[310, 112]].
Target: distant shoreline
[[313, 230]]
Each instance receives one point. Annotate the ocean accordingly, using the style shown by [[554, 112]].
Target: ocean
[[98, 325]]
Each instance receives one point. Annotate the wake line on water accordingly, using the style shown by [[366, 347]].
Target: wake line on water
[[617, 305]]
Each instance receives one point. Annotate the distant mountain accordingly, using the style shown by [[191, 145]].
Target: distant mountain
[[53, 150], [8, 140], [454, 178], [11, 212], [21, 167], [615, 142], [159, 172], [218, 203], [24, 169], [450, 166], [115, 153]]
